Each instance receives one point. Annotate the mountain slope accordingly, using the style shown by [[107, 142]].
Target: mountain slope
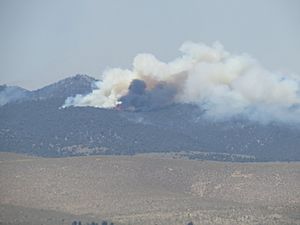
[[78, 84], [12, 94], [34, 122], [43, 128], [71, 86]]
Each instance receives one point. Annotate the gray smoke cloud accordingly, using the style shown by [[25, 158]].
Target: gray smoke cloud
[[139, 98], [225, 85]]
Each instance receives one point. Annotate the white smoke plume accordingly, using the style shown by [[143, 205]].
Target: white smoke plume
[[223, 84]]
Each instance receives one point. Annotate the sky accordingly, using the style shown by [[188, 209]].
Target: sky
[[44, 41]]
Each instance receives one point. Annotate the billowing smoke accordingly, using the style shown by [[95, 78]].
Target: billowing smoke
[[139, 98], [223, 84]]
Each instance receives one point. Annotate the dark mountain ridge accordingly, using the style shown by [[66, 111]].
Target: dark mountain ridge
[[12, 94], [41, 127], [78, 84]]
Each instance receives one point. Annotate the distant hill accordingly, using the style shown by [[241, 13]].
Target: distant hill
[[40, 126], [12, 94], [78, 84]]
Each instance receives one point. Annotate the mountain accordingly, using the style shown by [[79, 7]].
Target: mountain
[[12, 94], [78, 84], [41, 127]]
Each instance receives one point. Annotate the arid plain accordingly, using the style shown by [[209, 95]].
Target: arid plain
[[146, 189]]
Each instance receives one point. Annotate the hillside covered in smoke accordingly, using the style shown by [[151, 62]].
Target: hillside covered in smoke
[[225, 85]]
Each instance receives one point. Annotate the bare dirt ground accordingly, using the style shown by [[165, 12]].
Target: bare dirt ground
[[146, 189]]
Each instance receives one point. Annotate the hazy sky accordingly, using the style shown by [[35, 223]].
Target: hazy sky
[[44, 41]]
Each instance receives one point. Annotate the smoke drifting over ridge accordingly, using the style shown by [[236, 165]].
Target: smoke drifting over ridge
[[223, 84]]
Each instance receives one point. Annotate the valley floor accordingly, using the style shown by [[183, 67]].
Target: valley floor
[[146, 189]]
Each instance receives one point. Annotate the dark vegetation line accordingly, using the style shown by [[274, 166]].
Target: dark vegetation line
[[105, 223]]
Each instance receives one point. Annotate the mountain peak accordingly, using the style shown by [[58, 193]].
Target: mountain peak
[[83, 77], [70, 86], [12, 94]]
